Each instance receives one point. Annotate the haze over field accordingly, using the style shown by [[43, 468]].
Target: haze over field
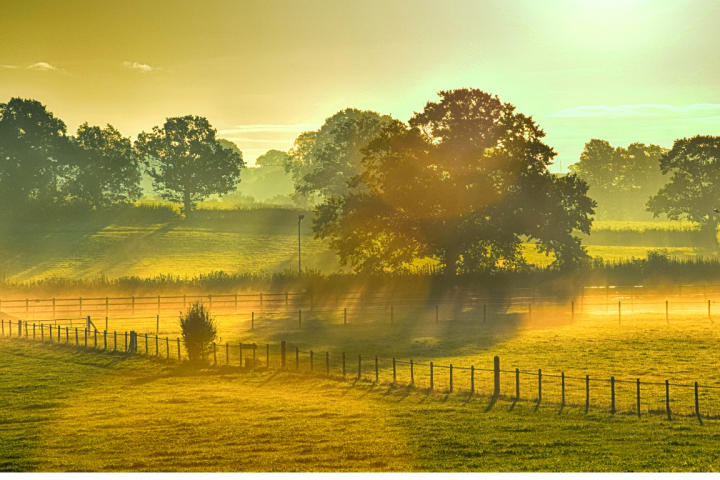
[[262, 72]]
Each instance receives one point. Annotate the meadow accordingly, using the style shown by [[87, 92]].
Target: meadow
[[152, 240], [70, 409]]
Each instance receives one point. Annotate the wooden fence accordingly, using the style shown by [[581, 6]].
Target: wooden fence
[[614, 395]]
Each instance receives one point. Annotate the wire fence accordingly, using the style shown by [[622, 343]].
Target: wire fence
[[621, 396]]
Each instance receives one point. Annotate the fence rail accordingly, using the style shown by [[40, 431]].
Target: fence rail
[[614, 395]]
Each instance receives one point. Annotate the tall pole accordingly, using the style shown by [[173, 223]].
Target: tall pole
[[300, 217]]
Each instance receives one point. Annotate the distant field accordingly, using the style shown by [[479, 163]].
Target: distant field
[[251, 241], [65, 409]]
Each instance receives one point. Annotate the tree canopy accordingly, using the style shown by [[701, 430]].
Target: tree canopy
[[693, 191], [620, 179], [34, 153], [272, 158], [463, 182], [322, 162], [187, 162], [106, 169]]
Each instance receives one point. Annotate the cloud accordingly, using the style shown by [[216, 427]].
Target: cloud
[[303, 127], [9, 66], [647, 110], [43, 67], [142, 67]]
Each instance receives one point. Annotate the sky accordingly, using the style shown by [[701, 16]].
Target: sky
[[264, 71]]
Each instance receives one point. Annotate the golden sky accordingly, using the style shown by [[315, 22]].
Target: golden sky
[[263, 71]]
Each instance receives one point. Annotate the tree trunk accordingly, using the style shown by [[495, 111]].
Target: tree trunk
[[709, 234], [187, 203], [451, 258]]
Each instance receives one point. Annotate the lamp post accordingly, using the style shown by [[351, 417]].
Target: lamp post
[[300, 217]]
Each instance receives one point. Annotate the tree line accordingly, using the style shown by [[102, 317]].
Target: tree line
[[42, 166], [464, 182]]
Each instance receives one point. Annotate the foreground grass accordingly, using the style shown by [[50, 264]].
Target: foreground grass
[[69, 410]]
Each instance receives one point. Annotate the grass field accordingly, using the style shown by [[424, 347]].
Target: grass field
[[69, 410], [249, 241]]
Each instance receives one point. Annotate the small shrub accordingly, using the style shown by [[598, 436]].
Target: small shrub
[[199, 330]]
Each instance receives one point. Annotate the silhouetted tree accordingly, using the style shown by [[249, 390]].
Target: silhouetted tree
[[199, 330], [323, 161], [620, 179], [186, 161], [106, 170], [463, 182], [693, 191], [34, 151]]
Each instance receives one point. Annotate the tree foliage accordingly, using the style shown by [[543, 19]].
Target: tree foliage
[[187, 162], [693, 191], [34, 152], [620, 179], [272, 158], [322, 162], [106, 169], [462, 182]]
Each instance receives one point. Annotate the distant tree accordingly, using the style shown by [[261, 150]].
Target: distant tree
[[231, 145], [323, 161], [620, 179], [34, 151], [693, 191], [462, 183], [187, 162], [106, 170], [272, 158]]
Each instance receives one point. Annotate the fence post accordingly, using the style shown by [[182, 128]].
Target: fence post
[[106, 324], [562, 380], [299, 318], [377, 372], [619, 313], [157, 347], [115, 341], [587, 393], [412, 373], [86, 332], [496, 376], [327, 363], [157, 324], [146, 344], [451, 382], [42, 332], [282, 354], [311, 360], [214, 354], [27, 308], [178, 345], [612, 395], [667, 399], [697, 401], [76, 336], [539, 386], [67, 334], [709, 317], [104, 337], [94, 337], [517, 384], [297, 358], [126, 342], [343, 358], [359, 367], [638, 397], [667, 313], [394, 373], [254, 348], [252, 320], [34, 334]]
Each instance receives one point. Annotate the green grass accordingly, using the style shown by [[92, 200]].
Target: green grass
[[69, 410]]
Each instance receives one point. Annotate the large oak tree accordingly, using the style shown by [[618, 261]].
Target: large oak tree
[[693, 191], [463, 182], [187, 162]]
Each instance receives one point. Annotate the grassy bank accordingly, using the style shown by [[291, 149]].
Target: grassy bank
[[65, 410]]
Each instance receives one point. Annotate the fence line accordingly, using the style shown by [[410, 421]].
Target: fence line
[[614, 395], [160, 304]]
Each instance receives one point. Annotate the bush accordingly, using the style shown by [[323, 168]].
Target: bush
[[199, 330]]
